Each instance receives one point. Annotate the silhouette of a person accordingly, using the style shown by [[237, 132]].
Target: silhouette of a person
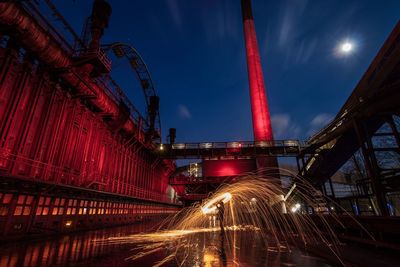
[[221, 213]]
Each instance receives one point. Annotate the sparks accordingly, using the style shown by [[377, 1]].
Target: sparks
[[254, 205]]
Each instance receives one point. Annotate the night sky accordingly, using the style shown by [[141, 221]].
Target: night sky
[[194, 50]]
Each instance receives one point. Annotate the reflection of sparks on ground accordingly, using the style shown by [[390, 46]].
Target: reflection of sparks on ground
[[255, 204], [149, 243], [210, 206], [170, 235]]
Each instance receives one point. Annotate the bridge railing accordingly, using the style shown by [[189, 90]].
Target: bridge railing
[[38, 171], [235, 148], [238, 144]]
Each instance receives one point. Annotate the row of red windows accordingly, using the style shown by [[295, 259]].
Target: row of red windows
[[60, 206]]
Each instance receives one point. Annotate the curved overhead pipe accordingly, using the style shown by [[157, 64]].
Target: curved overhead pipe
[[122, 50]]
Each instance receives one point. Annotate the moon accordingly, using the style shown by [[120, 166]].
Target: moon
[[346, 47]]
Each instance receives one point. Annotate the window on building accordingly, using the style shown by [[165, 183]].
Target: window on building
[[93, 206], [83, 207], [120, 208], [115, 208], [108, 211], [72, 206], [100, 209], [43, 206], [5, 201], [58, 206], [24, 205]]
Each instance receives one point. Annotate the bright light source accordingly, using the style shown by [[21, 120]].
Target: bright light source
[[68, 223], [345, 48], [210, 206], [295, 208], [178, 146], [253, 199], [161, 147]]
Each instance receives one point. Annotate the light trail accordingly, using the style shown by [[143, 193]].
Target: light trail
[[170, 235], [254, 205]]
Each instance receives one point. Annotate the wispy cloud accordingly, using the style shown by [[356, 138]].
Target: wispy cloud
[[175, 12], [284, 127], [184, 112], [223, 24], [319, 121], [293, 10], [292, 41], [305, 51]]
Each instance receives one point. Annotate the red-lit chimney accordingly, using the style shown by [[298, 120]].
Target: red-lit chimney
[[262, 128], [259, 106]]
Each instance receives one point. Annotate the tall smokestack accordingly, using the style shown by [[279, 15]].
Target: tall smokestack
[[262, 129]]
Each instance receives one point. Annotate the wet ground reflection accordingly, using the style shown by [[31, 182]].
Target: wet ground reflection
[[245, 248]]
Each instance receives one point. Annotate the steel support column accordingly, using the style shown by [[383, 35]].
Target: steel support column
[[371, 164], [393, 127]]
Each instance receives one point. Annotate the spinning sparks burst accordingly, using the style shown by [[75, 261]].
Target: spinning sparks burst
[[210, 207], [254, 205]]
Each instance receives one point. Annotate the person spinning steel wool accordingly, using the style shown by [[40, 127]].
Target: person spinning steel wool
[[221, 213]]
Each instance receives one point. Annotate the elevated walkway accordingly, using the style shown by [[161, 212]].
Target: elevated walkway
[[251, 149], [185, 180]]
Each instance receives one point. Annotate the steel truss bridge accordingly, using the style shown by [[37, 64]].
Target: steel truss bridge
[[282, 148]]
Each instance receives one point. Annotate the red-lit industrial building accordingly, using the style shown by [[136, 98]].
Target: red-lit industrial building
[[73, 152]]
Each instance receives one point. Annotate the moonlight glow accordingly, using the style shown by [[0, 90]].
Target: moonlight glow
[[345, 48]]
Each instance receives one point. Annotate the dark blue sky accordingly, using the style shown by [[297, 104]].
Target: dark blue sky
[[194, 50]]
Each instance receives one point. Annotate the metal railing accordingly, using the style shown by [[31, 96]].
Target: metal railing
[[288, 148], [239, 144], [38, 171]]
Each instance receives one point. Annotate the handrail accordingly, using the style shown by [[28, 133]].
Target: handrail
[[237, 144], [69, 176]]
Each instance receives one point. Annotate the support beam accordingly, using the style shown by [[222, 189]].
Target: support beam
[[371, 165]]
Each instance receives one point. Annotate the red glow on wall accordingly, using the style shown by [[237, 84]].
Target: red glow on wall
[[259, 106], [219, 168], [49, 134]]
